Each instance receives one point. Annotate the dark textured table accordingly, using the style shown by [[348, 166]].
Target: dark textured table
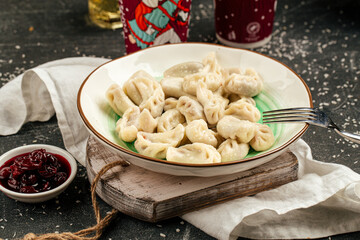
[[319, 39]]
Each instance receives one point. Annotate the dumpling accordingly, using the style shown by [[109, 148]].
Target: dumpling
[[263, 139], [197, 131], [234, 128], [226, 72], [170, 103], [133, 121], [232, 150], [196, 153], [140, 86], [126, 127], [214, 105], [211, 64], [118, 100], [173, 86], [183, 69], [156, 144], [212, 80], [190, 108], [151, 149], [146, 122], [248, 84], [222, 92], [235, 97], [155, 103], [243, 111], [210, 74], [169, 120]]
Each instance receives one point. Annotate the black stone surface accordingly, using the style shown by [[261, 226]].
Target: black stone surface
[[318, 39]]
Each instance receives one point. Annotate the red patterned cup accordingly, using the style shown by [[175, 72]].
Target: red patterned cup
[[244, 23], [154, 22]]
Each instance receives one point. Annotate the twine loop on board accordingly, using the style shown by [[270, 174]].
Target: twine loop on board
[[95, 230]]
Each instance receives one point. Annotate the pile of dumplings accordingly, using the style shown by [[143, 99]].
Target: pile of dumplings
[[199, 113]]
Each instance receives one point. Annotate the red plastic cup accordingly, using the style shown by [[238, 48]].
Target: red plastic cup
[[244, 23], [148, 23]]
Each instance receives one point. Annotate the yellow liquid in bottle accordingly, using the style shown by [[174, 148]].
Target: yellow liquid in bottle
[[105, 13]]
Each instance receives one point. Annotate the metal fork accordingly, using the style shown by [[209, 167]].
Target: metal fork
[[313, 116]]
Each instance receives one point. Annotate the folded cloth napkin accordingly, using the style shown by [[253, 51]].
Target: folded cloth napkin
[[324, 201], [41, 92]]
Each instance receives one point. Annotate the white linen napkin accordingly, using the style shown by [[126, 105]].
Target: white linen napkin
[[41, 92], [324, 201]]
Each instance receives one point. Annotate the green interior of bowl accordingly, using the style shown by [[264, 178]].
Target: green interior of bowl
[[264, 102]]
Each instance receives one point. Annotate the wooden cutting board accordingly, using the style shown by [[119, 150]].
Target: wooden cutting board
[[152, 197]]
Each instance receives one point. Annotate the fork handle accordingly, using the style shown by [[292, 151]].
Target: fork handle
[[350, 136]]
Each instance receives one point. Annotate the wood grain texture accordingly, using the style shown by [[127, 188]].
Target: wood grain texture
[[152, 197]]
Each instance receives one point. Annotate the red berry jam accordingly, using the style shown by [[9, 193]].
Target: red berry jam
[[37, 171]]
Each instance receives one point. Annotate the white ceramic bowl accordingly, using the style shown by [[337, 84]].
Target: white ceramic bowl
[[283, 88], [42, 196]]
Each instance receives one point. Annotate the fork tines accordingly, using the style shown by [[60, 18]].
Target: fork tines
[[290, 115]]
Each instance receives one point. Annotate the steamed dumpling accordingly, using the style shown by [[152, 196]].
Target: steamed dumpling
[[210, 74], [226, 72], [170, 103], [212, 80], [146, 122], [169, 120], [156, 144], [118, 100], [234, 128], [197, 153], [243, 110], [235, 97], [126, 127], [211, 64], [198, 131], [232, 150], [182, 69], [214, 105], [263, 139], [146, 92], [140, 86], [173, 86], [222, 92], [155, 104], [248, 84], [133, 121], [190, 108]]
